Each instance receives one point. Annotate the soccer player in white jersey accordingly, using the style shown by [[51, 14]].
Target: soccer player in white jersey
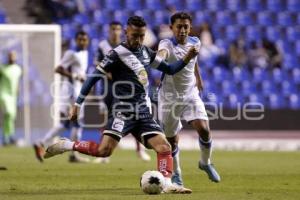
[[105, 46], [179, 99], [72, 68]]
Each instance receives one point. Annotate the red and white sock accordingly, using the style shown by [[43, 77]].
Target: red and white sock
[[86, 147], [165, 165]]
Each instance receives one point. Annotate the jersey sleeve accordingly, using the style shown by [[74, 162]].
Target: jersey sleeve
[[165, 44], [67, 59], [100, 55], [108, 62]]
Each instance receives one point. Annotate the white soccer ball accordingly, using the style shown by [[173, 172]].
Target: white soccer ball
[[152, 182]]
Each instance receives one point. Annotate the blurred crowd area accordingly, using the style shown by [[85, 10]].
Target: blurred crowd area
[[250, 48]]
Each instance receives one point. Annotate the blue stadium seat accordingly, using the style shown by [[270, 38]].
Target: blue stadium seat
[[102, 16], [285, 46], [293, 5], [234, 100], [265, 18], [279, 75], [95, 44], [245, 18], [91, 30], [121, 16], [178, 4], [227, 87], [296, 75], [81, 19], [160, 17], [68, 31], [224, 18], [267, 87], [273, 33], [232, 32], [219, 74], [275, 5], [254, 5], [253, 33], [275, 101], [259, 75], [133, 4], [240, 74], [214, 5], [234, 5], [285, 19], [289, 61], [113, 4], [255, 99], [154, 4], [293, 33], [297, 48], [200, 18], [92, 5], [194, 5], [287, 88], [247, 87], [294, 101]]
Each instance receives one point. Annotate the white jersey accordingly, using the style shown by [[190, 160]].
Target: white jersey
[[183, 82], [77, 63]]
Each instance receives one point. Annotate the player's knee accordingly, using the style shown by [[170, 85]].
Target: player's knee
[[204, 133], [162, 148]]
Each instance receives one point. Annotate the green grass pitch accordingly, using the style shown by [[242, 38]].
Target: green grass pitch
[[245, 175]]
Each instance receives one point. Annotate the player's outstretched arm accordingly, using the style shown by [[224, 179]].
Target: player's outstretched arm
[[175, 67], [85, 89]]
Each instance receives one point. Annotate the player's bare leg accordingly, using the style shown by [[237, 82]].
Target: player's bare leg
[[165, 163], [176, 176], [205, 142], [104, 149], [140, 150], [104, 160]]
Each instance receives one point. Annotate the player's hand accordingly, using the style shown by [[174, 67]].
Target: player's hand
[[79, 77], [193, 51], [73, 115]]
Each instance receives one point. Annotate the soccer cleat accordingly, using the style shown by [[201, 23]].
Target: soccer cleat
[[56, 148], [39, 152], [174, 189], [143, 155], [211, 172], [105, 160]]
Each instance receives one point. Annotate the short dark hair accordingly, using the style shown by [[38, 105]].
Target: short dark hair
[[115, 23], [181, 15], [80, 33], [136, 21]]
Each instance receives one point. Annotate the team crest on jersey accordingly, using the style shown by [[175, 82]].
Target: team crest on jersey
[[143, 76]]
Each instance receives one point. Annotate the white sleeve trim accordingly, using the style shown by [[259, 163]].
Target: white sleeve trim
[[101, 69], [156, 62]]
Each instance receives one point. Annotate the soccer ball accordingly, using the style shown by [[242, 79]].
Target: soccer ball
[[152, 182]]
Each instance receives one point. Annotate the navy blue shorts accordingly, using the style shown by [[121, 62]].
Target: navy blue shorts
[[142, 129]]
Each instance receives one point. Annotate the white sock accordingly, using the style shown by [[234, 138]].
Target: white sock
[[68, 145], [206, 151], [176, 161], [52, 133]]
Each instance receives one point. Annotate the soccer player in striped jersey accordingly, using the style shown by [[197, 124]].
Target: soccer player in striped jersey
[[131, 111]]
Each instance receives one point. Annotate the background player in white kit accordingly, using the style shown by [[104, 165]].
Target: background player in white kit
[[105, 46], [179, 97], [73, 68]]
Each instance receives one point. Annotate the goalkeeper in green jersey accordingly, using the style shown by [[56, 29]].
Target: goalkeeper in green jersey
[[10, 74]]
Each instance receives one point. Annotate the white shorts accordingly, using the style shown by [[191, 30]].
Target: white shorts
[[172, 111]]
